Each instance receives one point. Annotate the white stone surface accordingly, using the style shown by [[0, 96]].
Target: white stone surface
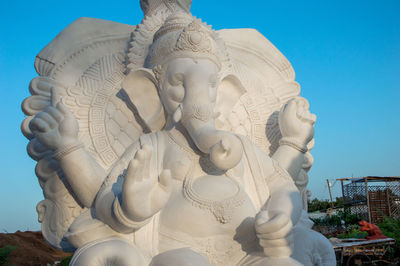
[[190, 148]]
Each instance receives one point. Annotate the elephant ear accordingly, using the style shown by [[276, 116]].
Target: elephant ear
[[141, 89], [269, 80], [229, 92]]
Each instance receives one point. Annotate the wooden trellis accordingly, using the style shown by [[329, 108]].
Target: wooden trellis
[[372, 197]]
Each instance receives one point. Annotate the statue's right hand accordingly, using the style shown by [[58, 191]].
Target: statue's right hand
[[145, 192], [55, 127]]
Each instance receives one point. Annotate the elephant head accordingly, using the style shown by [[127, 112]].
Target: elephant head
[[183, 69]]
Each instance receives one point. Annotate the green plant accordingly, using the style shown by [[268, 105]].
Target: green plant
[[65, 261], [339, 202], [349, 218], [5, 252], [333, 220], [391, 228], [353, 231], [337, 219]]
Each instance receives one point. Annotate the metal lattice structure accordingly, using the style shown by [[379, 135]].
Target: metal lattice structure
[[372, 198]]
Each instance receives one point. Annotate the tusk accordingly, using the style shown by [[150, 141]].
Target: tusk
[[177, 116]]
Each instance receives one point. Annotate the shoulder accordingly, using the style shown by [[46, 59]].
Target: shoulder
[[255, 157]]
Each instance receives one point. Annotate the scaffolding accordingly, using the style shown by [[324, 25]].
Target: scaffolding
[[372, 197]]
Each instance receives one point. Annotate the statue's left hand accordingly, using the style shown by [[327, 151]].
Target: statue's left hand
[[296, 122], [274, 233]]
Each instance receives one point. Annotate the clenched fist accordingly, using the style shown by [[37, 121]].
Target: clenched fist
[[274, 233], [296, 122]]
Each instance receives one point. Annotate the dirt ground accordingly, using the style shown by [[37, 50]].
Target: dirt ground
[[31, 249]]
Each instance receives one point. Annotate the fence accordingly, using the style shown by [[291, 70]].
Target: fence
[[372, 198]]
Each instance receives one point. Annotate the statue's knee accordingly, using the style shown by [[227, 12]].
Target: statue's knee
[[111, 251], [180, 257]]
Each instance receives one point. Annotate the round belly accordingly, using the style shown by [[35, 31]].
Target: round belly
[[210, 206]]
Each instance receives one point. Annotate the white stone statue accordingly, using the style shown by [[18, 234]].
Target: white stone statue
[[170, 143]]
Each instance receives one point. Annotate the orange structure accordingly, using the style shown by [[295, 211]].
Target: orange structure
[[373, 231]]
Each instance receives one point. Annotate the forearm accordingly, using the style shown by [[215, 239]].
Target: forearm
[[104, 208], [111, 205], [290, 159], [280, 183], [285, 199], [83, 174], [296, 124], [109, 210]]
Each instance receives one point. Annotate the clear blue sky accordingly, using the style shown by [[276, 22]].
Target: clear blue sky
[[346, 55]]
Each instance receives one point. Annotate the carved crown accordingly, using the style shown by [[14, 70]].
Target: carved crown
[[185, 36], [149, 6]]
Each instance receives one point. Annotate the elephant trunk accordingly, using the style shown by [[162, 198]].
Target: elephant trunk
[[196, 113], [225, 149]]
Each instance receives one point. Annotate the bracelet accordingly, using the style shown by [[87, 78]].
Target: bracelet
[[121, 217], [60, 153], [294, 144]]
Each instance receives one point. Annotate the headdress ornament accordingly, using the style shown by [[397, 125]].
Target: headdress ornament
[[185, 36], [149, 6], [155, 11]]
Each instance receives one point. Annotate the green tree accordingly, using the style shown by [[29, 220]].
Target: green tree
[[318, 205], [5, 252]]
